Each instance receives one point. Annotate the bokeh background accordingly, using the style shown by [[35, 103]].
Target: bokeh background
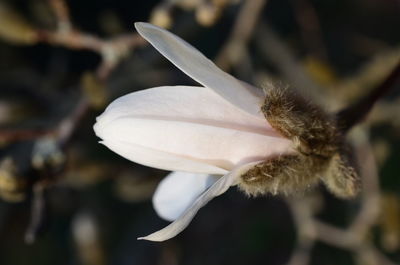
[[65, 199]]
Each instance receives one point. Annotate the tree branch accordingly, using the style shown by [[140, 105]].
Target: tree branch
[[353, 114]]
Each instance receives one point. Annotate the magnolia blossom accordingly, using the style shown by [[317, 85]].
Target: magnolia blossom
[[209, 134]]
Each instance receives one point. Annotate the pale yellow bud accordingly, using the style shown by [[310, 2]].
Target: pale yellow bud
[[161, 16], [207, 14]]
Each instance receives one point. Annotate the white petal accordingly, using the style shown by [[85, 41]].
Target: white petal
[[190, 123], [215, 190], [177, 191], [189, 103], [210, 144], [162, 160], [197, 66]]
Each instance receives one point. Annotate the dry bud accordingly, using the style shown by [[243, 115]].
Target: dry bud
[[161, 16], [207, 14]]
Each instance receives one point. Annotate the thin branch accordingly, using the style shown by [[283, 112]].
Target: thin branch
[[38, 212], [355, 237], [350, 116], [61, 12], [335, 236], [369, 254], [277, 52], [15, 135], [310, 27], [370, 197], [66, 35], [67, 126], [306, 232], [233, 49]]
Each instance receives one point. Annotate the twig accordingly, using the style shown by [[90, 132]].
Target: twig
[[38, 211], [276, 51], [61, 12], [335, 236], [310, 27], [355, 237], [369, 254], [67, 126], [233, 50], [61, 132], [111, 51], [370, 206], [14, 135], [302, 215], [350, 116], [383, 113]]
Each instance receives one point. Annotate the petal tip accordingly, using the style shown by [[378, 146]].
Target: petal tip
[[139, 25], [151, 238], [143, 26]]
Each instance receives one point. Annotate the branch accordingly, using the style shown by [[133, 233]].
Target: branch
[[310, 28], [234, 48], [353, 114], [61, 11], [278, 53], [38, 213]]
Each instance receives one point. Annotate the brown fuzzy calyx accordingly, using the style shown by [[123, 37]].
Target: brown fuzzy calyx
[[286, 174], [312, 131], [319, 146]]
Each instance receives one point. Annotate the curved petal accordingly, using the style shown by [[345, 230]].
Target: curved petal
[[185, 103], [218, 146], [197, 66], [218, 188], [184, 126], [162, 160], [177, 191]]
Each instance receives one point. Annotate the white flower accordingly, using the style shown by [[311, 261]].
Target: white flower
[[216, 129]]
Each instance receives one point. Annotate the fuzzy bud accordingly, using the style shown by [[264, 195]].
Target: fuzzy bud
[[319, 147]]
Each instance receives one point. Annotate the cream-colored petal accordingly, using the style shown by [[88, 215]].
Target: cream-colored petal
[[197, 66], [177, 192], [218, 188]]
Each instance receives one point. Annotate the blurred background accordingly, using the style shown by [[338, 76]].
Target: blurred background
[[65, 199]]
